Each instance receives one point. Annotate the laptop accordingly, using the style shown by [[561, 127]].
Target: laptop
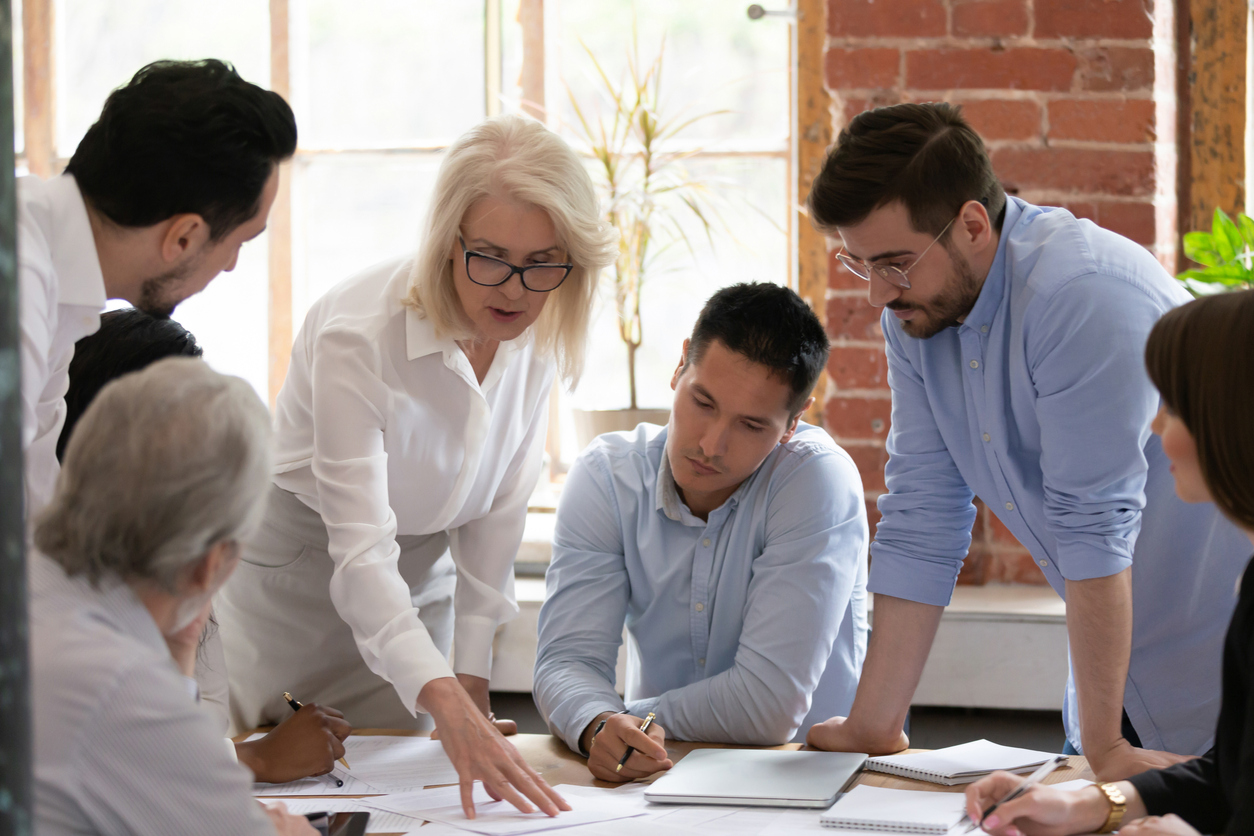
[[757, 778]]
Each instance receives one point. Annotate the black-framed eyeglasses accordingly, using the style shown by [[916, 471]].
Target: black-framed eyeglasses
[[491, 272], [893, 275]]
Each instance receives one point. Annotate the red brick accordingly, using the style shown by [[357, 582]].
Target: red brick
[[1013, 566], [1084, 170], [872, 515], [1093, 19], [1111, 68], [889, 18], [1102, 120], [857, 368], [857, 68], [1004, 118], [854, 106], [998, 533], [1081, 209], [858, 417], [838, 276], [1136, 221], [870, 462], [1026, 68], [974, 570], [854, 319], [991, 18], [979, 531]]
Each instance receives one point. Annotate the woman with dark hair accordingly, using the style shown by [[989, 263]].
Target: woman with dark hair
[[1200, 356]]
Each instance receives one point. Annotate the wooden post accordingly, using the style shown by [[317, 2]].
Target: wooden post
[[531, 21], [39, 98], [280, 223], [813, 128], [1217, 130]]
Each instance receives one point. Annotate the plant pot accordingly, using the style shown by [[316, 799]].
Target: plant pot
[[589, 423]]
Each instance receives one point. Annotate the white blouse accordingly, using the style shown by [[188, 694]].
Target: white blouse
[[383, 429]]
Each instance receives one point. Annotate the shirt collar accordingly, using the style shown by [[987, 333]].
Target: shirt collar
[[421, 340], [994, 288], [80, 280]]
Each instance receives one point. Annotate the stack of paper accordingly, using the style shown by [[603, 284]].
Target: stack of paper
[[960, 764], [378, 764], [898, 811]]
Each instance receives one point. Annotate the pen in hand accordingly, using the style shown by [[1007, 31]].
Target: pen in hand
[[1035, 778], [297, 706], [644, 727]]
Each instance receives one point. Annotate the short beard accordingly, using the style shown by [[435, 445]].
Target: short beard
[[949, 307], [154, 296]]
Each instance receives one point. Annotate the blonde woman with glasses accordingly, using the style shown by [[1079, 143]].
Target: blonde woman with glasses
[[410, 432]]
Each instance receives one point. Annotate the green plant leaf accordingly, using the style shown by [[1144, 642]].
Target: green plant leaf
[[1225, 235], [1200, 247]]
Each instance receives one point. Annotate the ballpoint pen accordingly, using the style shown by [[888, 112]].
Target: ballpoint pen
[[297, 706], [644, 727], [1033, 779]]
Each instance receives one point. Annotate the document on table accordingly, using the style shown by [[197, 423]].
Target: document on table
[[378, 764], [498, 818], [380, 821]]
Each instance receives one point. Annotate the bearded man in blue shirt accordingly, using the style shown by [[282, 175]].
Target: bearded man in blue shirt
[[731, 543], [1015, 337]]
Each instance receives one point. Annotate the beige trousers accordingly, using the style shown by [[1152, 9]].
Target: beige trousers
[[280, 631]]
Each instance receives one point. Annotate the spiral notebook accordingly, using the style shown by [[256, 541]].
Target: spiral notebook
[[960, 764], [899, 811]]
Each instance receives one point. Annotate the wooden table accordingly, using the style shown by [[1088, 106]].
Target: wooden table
[[557, 764]]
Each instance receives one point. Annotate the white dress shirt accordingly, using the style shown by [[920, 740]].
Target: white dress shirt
[[383, 429], [120, 745], [61, 293]]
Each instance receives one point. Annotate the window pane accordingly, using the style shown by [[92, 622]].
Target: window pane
[[357, 210], [101, 43], [229, 317], [390, 73], [715, 59], [19, 75], [751, 247]]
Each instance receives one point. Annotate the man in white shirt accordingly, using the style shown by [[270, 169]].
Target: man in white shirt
[[180, 169]]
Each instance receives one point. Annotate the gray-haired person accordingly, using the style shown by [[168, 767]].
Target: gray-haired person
[[164, 475]]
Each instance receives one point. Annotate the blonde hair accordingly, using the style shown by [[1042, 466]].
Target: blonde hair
[[164, 464], [516, 159]]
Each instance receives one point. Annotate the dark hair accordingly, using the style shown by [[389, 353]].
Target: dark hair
[[769, 325], [184, 137], [924, 155], [128, 340], [1201, 358]]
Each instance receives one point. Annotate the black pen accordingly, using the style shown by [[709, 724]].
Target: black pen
[[297, 706], [1033, 779], [644, 727]]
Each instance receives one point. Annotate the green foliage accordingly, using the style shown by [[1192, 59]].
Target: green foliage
[[646, 188], [1226, 254]]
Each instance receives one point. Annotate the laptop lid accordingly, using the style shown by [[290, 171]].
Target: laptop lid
[[757, 777]]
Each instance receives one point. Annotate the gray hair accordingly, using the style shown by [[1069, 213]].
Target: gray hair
[[164, 464], [519, 159]]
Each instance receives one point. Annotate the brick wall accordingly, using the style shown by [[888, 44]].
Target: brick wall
[[1063, 92]]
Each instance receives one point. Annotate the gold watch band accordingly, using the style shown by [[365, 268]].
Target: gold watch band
[[1118, 806]]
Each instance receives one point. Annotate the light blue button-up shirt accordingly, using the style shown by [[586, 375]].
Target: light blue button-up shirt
[[746, 628], [1040, 405]]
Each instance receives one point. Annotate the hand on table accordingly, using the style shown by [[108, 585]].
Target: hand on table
[[608, 747], [839, 735], [306, 743], [288, 824], [1041, 811], [1123, 760], [480, 752]]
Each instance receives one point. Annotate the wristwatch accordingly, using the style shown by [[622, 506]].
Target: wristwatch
[[1118, 806]]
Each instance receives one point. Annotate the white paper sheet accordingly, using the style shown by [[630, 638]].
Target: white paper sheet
[[378, 764], [380, 820], [499, 818]]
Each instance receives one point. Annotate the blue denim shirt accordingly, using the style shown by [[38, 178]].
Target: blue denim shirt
[[1040, 405], [746, 628]]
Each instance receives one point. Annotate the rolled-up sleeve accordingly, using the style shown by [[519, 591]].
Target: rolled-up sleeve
[[349, 464], [924, 531], [815, 548], [1085, 350], [581, 622], [485, 549]]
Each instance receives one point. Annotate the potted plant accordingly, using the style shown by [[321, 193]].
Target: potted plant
[[647, 190], [1226, 254]]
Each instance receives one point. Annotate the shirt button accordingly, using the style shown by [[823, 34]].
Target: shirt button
[[706, 542], [1043, 563], [983, 329], [1010, 506], [700, 607], [701, 661], [975, 364], [987, 437]]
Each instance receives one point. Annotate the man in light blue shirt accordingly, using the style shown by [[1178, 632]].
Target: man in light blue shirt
[[1014, 336], [732, 543]]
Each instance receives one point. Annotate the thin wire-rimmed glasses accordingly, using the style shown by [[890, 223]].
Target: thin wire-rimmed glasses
[[893, 275], [490, 272]]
